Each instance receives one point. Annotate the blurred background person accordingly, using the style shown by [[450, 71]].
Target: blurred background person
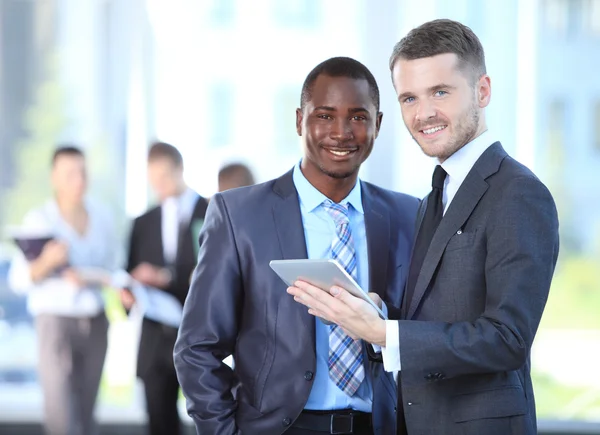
[[162, 258], [67, 306], [235, 175]]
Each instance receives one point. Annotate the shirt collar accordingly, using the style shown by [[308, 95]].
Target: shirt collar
[[311, 198], [460, 163]]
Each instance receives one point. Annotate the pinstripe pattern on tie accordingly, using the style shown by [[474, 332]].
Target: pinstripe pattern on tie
[[346, 364]]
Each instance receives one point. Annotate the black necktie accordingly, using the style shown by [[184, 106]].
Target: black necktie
[[431, 220]]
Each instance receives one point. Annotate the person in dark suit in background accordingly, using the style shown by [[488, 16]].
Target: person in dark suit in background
[[483, 260], [162, 256], [234, 175], [238, 305]]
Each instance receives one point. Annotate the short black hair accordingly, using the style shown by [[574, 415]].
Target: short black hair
[[163, 150], [66, 150], [340, 67], [440, 37]]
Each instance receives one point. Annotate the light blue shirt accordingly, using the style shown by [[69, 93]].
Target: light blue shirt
[[97, 249], [319, 232]]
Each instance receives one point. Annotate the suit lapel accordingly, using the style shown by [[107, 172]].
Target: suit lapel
[[290, 232], [470, 192], [377, 226]]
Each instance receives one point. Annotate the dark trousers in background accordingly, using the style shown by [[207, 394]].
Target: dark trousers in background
[[157, 371], [71, 354]]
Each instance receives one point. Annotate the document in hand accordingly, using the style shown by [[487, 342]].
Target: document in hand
[[159, 305], [155, 304]]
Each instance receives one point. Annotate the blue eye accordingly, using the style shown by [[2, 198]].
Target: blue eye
[[440, 93], [409, 99]]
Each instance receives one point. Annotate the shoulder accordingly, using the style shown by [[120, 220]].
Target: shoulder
[[148, 215], [515, 178], [41, 217]]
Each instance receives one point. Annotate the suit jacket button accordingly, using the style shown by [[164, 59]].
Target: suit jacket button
[[429, 377], [440, 375], [308, 375], [286, 421]]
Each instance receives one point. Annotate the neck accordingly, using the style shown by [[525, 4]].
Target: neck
[[335, 189], [69, 207], [481, 128], [181, 189]]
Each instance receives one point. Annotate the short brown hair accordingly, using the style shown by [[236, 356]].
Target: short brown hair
[[163, 150], [441, 37], [66, 150]]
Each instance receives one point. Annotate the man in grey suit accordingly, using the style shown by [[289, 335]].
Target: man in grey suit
[[483, 259], [238, 305]]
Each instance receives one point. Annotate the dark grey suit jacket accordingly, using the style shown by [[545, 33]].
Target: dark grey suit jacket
[[466, 335], [238, 305]]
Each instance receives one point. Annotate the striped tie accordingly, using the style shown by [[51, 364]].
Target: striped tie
[[345, 362]]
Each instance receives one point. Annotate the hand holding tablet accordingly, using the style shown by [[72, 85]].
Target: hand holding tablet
[[324, 274]]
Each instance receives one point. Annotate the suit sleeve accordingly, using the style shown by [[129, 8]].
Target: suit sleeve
[[522, 248], [210, 325]]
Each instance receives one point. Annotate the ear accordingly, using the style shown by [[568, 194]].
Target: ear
[[299, 118], [378, 121], [484, 91]]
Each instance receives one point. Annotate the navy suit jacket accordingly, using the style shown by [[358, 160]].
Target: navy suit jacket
[[238, 305], [466, 334]]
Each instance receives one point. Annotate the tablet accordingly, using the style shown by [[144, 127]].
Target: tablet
[[323, 274]]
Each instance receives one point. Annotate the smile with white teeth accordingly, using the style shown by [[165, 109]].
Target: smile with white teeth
[[340, 153], [434, 129]]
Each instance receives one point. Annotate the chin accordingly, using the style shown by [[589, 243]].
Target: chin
[[339, 174]]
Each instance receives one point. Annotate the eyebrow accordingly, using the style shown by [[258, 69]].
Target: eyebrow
[[430, 90], [333, 109], [326, 108]]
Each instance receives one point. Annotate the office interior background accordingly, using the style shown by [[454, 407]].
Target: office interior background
[[220, 79]]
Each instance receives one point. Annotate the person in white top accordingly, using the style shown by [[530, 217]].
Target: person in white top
[[484, 255], [63, 285]]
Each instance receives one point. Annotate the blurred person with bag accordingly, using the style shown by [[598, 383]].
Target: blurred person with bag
[[63, 284]]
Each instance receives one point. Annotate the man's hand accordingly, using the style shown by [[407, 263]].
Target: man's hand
[[356, 317], [54, 254], [375, 298], [73, 277], [151, 275], [127, 298]]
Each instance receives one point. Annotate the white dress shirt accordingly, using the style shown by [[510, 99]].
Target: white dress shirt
[[176, 210], [97, 248], [457, 166]]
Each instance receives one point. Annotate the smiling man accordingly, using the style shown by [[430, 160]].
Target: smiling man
[[486, 248], [290, 379]]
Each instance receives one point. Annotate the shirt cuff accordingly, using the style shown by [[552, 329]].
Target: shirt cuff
[[391, 352], [384, 309]]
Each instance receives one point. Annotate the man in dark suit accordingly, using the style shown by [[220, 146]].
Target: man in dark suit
[[483, 260], [162, 257], [237, 304]]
